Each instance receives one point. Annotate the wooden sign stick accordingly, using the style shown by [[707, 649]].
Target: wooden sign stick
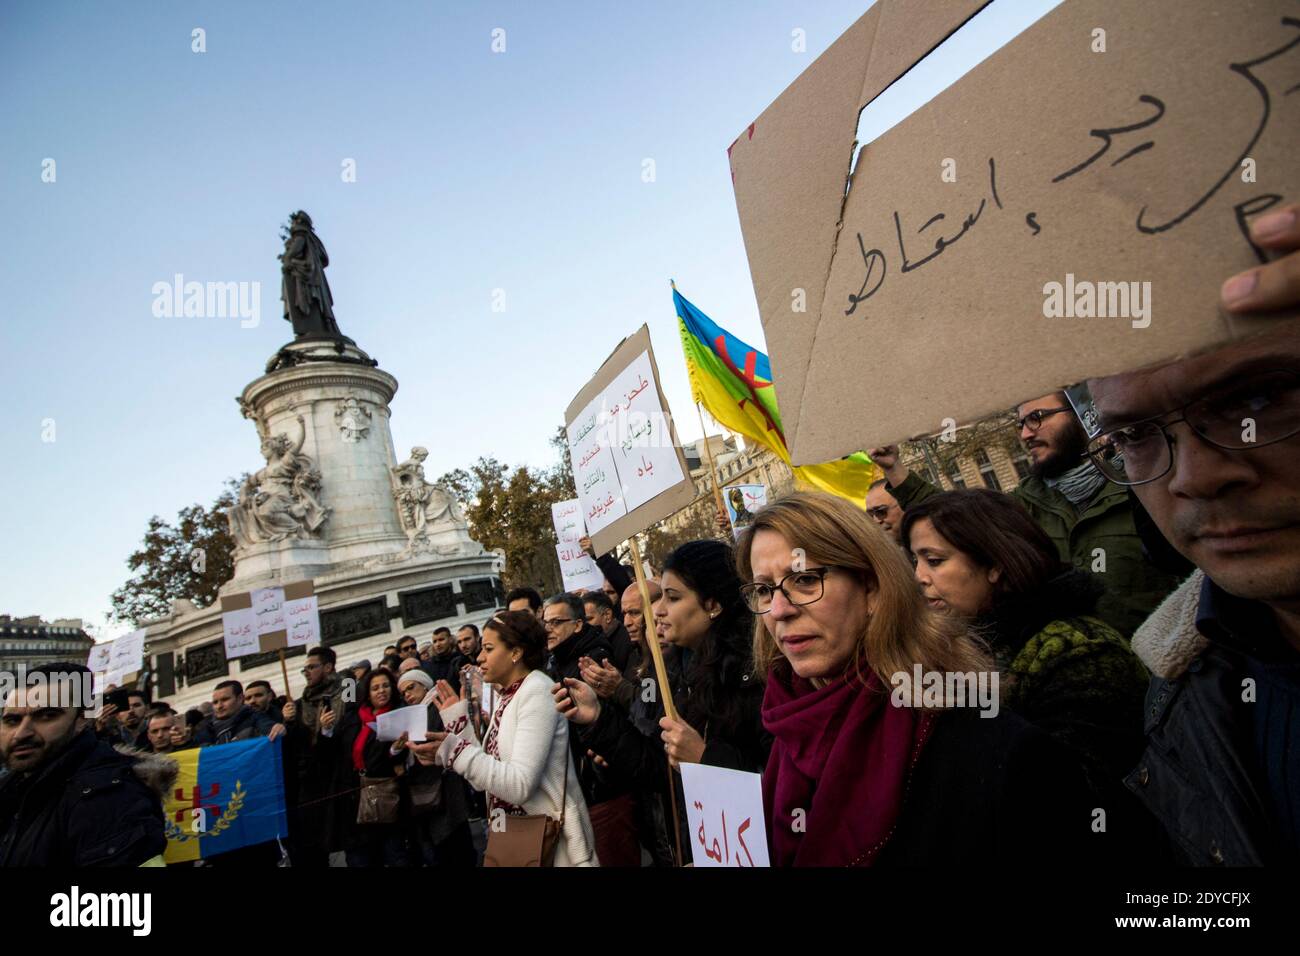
[[661, 675], [284, 669]]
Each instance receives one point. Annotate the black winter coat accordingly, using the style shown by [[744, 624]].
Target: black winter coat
[[91, 806], [249, 723], [998, 790], [379, 762]]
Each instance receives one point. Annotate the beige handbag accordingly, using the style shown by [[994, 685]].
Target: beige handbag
[[530, 840]]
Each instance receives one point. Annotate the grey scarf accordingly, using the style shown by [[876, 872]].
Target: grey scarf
[[222, 728], [1080, 484]]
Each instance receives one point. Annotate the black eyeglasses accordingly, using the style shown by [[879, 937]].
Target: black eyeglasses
[[880, 512], [1263, 410], [556, 622], [805, 587], [1034, 420]]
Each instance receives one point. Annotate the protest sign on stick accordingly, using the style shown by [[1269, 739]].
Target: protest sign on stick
[[270, 619], [1065, 210], [627, 462]]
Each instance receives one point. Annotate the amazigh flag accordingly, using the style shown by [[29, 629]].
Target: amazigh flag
[[734, 382], [225, 797]]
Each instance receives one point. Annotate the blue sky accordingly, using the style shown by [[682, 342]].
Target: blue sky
[[475, 171]]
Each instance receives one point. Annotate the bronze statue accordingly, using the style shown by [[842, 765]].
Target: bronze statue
[[305, 291]]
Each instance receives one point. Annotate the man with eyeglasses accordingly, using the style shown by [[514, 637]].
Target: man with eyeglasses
[[1092, 522], [884, 510], [1211, 446], [314, 831], [573, 642]]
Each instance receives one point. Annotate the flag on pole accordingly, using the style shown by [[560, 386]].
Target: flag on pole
[[733, 381], [225, 797]]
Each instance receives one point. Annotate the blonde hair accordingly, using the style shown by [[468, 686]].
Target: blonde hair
[[903, 630]]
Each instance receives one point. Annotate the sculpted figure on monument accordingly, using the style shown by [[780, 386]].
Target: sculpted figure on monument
[[304, 290], [282, 500], [419, 503]]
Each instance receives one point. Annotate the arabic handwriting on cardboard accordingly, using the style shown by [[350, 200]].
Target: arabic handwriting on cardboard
[[875, 261]]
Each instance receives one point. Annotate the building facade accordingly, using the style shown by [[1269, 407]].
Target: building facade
[[29, 640]]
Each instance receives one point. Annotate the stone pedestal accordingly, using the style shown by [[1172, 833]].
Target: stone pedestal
[[377, 573], [342, 400]]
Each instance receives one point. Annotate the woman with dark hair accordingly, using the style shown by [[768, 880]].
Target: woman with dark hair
[[981, 557], [862, 775], [371, 808], [523, 761], [716, 693]]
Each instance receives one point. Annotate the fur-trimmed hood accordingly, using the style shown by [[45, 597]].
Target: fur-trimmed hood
[[156, 771], [1168, 641]]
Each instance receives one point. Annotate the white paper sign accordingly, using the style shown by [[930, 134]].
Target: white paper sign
[[594, 473], [127, 653], [567, 518], [641, 442], [724, 812], [577, 569], [621, 447], [268, 610], [99, 655], [413, 721], [239, 632], [302, 619]]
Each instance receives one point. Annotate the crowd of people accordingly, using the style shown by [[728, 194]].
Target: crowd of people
[[1130, 615]]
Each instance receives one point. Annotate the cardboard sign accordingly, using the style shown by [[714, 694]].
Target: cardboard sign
[[627, 462], [742, 501], [1056, 214], [269, 619], [724, 813]]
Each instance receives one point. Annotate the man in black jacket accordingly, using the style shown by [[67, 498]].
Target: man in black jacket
[[232, 719], [446, 662], [69, 799], [314, 827], [571, 640], [600, 613], [1210, 445]]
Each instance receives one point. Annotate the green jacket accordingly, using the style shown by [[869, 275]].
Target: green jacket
[[1134, 586], [1069, 672]]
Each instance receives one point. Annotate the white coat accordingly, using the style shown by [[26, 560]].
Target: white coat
[[533, 749]]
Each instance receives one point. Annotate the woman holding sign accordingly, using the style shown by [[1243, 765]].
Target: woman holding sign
[[880, 756], [716, 692]]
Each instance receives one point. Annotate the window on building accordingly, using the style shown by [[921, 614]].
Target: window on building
[[955, 476], [987, 474], [1021, 462]]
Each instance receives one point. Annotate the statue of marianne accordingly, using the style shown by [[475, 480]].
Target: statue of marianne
[[304, 290]]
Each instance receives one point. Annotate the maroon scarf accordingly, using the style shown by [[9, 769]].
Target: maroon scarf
[[843, 754], [368, 716]]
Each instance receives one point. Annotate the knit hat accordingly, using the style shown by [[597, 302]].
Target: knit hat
[[365, 664], [416, 675]]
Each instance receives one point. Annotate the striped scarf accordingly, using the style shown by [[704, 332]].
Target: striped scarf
[[1079, 484]]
